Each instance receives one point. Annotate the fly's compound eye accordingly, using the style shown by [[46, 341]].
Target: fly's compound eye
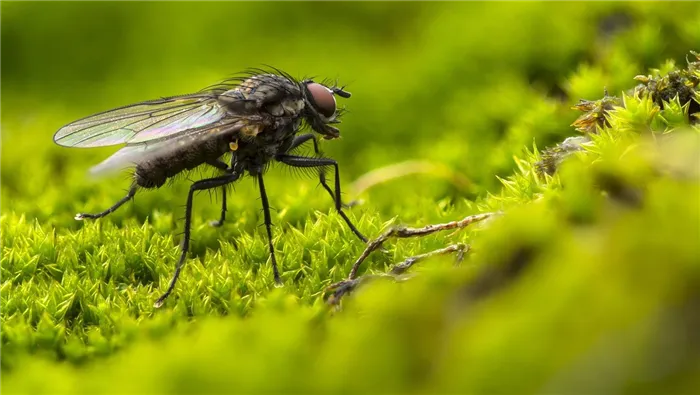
[[323, 99]]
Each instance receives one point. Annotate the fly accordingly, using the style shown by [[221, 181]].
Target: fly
[[256, 118]]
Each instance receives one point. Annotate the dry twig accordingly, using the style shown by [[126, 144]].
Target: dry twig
[[336, 291]]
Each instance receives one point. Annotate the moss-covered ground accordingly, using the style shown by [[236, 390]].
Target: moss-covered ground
[[587, 281]]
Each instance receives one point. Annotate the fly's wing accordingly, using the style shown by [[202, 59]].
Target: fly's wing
[[143, 122], [125, 157], [135, 153]]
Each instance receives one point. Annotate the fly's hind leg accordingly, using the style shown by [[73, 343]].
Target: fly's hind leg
[[129, 195]]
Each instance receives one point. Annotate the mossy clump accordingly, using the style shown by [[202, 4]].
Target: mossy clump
[[673, 95], [586, 281]]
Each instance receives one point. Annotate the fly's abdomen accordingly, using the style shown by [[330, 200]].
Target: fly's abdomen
[[155, 171]]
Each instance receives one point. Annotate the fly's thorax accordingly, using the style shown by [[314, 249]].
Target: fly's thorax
[[296, 125], [262, 84], [266, 88], [254, 155], [265, 94], [250, 130], [293, 107], [286, 108]]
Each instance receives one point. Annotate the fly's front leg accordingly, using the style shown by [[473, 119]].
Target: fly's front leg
[[336, 198], [129, 195], [302, 161], [299, 140], [208, 183]]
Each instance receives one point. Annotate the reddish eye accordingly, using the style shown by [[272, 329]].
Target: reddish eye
[[323, 99]]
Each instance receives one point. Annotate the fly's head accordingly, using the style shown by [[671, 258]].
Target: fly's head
[[321, 110]]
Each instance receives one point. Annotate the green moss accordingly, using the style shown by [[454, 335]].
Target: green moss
[[588, 282]]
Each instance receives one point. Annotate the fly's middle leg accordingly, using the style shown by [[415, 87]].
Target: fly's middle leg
[[222, 218], [200, 185], [129, 195], [224, 167], [268, 225]]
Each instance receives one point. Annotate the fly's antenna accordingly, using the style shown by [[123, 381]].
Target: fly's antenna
[[341, 92]]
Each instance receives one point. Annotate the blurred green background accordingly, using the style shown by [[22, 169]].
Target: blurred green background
[[466, 85], [461, 88]]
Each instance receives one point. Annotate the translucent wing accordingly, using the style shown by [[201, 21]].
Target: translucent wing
[[135, 153], [142, 122], [123, 158]]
